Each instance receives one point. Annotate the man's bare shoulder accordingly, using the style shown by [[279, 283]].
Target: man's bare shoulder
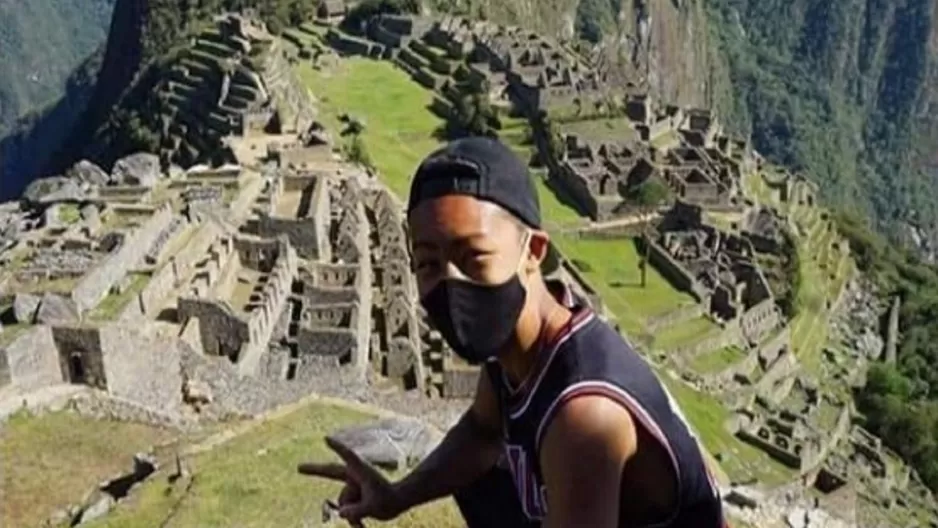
[[593, 422]]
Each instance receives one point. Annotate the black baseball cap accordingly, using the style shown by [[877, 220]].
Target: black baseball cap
[[482, 167]]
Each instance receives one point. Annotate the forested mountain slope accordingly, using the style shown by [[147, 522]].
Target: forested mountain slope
[[844, 90], [41, 43]]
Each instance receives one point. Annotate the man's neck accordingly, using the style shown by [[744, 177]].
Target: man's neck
[[543, 326]]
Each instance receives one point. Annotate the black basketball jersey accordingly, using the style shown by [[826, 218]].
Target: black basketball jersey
[[589, 357]]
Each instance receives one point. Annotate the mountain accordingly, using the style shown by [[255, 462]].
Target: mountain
[[845, 91], [43, 41]]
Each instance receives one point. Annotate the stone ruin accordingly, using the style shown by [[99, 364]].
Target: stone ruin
[[717, 268], [698, 165]]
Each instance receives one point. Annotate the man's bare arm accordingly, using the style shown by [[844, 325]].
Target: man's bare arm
[[470, 449], [583, 453]]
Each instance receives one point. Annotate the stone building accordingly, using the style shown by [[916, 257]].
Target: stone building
[[132, 363], [237, 296], [717, 268], [297, 206], [397, 348]]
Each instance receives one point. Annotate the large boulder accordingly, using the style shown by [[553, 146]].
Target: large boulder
[[391, 443], [137, 169], [86, 172], [55, 309], [25, 307], [54, 189]]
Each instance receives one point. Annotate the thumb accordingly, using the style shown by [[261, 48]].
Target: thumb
[[354, 513]]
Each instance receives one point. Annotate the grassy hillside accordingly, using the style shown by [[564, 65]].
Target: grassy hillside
[[42, 42], [245, 477]]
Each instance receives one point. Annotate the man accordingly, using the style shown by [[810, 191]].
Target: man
[[569, 427]]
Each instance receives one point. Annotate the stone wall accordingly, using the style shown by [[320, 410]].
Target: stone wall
[[729, 336], [4, 369], [277, 291], [349, 45], [94, 286], [304, 234], [758, 320], [772, 348], [102, 406], [565, 177], [33, 359], [221, 331], [332, 342], [142, 365], [784, 366], [172, 275], [673, 271]]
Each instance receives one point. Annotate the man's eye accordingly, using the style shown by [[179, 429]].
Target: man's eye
[[424, 265]]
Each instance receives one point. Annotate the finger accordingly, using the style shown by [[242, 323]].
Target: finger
[[329, 471], [352, 460], [353, 514]]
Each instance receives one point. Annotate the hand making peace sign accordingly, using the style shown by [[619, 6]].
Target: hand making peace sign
[[367, 493]]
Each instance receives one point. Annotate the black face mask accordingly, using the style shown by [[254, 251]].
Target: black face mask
[[476, 320]]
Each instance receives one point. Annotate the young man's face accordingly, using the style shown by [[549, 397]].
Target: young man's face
[[461, 237]]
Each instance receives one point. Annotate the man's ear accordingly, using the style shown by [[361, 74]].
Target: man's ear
[[538, 246]]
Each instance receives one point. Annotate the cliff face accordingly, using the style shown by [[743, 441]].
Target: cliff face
[[662, 45], [122, 61], [24, 151]]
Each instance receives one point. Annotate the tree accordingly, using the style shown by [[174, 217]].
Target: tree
[[358, 152], [650, 193], [473, 115]]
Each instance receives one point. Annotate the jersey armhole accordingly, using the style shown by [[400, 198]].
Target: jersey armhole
[[618, 395]]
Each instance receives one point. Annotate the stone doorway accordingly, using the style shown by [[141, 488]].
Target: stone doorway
[[76, 368]]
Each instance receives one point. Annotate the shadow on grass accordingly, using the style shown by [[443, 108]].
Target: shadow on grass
[[563, 197]]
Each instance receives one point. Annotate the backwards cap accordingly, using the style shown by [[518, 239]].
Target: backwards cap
[[481, 167]]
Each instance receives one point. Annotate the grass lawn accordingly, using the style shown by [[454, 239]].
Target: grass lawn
[[717, 360], [707, 416], [685, 333], [610, 128], [553, 211], [252, 481], [112, 305], [69, 213], [51, 461], [399, 127], [611, 266]]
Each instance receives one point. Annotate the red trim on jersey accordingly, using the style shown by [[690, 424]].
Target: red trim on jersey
[[521, 397]]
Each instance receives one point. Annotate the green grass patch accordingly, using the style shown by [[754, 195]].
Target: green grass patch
[[685, 333], [717, 360], [613, 270], [69, 213], [251, 481], [553, 211], [399, 127], [708, 417], [11, 332], [606, 128], [112, 305], [50, 462]]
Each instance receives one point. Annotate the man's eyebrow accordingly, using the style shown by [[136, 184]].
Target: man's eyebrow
[[465, 239]]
